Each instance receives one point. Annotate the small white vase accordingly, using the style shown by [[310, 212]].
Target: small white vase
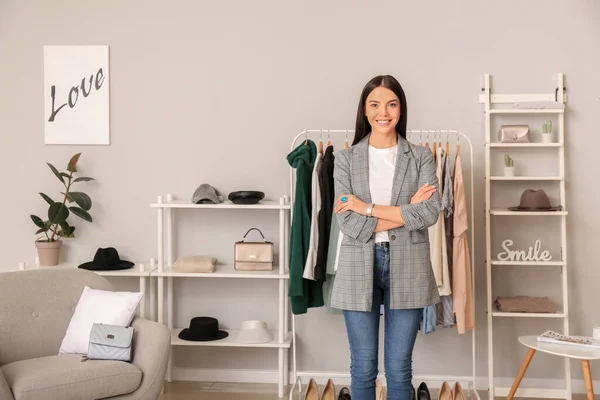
[[509, 171], [546, 137]]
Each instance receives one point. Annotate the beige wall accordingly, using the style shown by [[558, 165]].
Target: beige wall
[[215, 91]]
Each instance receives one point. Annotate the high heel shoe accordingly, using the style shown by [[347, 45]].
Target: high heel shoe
[[344, 394], [329, 391], [423, 392], [445, 392], [378, 390], [457, 392], [312, 391]]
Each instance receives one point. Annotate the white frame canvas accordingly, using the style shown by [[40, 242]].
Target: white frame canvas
[[76, 95]]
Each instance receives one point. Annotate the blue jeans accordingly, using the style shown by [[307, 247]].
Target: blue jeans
[[401, 327]]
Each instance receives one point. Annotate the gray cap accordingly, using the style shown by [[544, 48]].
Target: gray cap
[[207, 194]]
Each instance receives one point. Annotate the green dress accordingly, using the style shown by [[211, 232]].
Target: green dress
[[304, 293]]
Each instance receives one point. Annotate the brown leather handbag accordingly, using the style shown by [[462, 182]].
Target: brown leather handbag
[[253, 256]]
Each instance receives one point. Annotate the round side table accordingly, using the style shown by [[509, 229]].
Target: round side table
[[577, 352]]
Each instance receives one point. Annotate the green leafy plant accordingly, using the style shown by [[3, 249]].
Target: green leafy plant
[[508, 162], [57, 226], [547, 127]]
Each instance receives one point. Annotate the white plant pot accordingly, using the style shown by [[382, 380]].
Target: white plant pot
[[546, 137], [509, 171]]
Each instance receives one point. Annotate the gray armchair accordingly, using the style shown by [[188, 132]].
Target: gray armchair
[[35, 310]]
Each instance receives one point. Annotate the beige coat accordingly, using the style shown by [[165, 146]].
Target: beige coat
[[462, 295]]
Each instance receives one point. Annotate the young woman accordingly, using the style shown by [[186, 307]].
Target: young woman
[[386, 198]]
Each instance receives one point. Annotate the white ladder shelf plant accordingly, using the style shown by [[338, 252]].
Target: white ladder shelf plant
[[499, 104]]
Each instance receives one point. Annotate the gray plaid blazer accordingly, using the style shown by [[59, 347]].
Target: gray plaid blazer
[[412, 284]]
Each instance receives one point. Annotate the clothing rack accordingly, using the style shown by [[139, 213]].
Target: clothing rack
[[410, 135]]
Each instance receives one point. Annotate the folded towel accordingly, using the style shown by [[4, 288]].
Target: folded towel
[[195, 264], [539, 105], [525, 304]]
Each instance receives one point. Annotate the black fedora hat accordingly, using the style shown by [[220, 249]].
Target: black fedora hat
[[246, 197], [106, 259], [534, 200], [203, 329]]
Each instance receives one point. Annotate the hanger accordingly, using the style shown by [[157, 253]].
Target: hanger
[[420, 139], [434, 147], [328, 138], [346, 142], [447, 146], [306, 139], [320, 149], [427, 142]]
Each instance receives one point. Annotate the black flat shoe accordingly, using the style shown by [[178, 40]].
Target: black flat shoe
[[344, 394], [423, 392]]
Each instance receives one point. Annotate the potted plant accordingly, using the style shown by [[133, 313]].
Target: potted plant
[[57, 225], [509, 166], [547, 132]]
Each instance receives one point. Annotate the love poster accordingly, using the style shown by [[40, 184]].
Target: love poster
[[76, 104]]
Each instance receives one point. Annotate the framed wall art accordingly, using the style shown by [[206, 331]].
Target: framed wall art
[[76, 92]]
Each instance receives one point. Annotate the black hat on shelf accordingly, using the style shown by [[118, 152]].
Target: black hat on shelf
[[106, 259], [203, 329], [246, 197]]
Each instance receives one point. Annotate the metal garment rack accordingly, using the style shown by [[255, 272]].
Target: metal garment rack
[[411, 134]]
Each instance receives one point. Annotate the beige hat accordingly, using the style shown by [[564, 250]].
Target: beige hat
[[254, 332]]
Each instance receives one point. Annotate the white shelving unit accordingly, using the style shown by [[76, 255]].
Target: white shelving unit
[[139, 270], [493, 104], [282, 335]]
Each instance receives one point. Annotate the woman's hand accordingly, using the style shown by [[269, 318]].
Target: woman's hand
[[348, 202], [422, 194]]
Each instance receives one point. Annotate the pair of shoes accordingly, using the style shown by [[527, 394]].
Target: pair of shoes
[[329, 391], [422, 392], [378, 390], [312, 392], [456, 393], [344, 394]]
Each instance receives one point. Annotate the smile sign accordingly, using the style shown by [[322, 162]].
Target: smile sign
[[533, 253], [76, 105]]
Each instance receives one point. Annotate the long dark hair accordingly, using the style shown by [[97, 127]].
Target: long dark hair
[[362, 124]]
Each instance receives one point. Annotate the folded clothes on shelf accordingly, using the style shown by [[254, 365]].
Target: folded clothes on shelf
[[195, 264], [525, 304]]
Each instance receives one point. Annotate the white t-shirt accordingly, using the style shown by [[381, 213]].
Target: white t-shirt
[[382, 165]]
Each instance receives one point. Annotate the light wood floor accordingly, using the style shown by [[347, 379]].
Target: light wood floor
[[222, 391], [254, 391]]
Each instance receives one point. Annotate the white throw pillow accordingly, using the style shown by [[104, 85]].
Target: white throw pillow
[[101, 307]]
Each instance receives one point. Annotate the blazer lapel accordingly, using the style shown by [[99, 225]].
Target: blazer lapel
[[360, 170], [402, 160]]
